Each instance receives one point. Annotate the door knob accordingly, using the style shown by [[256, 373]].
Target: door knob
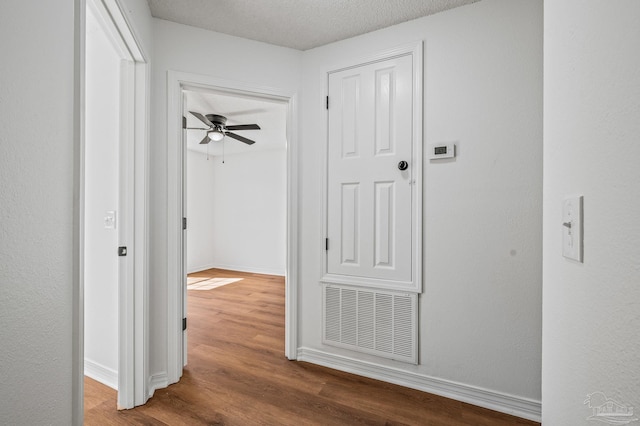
[[403, 165]]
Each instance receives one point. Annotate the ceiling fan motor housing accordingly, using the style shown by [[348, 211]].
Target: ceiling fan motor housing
[[217, 119]]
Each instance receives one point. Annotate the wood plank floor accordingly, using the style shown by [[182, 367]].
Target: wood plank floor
[[237, 375]]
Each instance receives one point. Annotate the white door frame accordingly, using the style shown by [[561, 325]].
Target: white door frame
[[132, 291], [177, 82], [415, 50]]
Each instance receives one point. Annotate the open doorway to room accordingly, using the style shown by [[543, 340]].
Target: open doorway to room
[[235, 192], [177, 266], [102, 213], [236, 210]]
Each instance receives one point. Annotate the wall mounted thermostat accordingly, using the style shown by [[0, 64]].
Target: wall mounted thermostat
[[442, 150]]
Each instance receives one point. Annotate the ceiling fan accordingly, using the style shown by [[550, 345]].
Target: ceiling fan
[[218, 129]]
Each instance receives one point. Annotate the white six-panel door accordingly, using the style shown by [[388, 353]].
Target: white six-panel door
[[371, 220]]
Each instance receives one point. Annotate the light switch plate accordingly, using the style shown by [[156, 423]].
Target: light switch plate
[[110, 220], [572, 228]]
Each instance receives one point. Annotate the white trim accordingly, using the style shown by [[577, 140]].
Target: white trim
[[100, 373], [141, 236], [77, 327], [414, 48], [176, 83], [133, 290], [126, 228], [291, 267], [138, 322], [514, 405], [239, 268], [383, 284], [185, 243], [201, 268], [175, 271], [125, 30], [418, 167], [136, 303], [415, 285], [155, 382]]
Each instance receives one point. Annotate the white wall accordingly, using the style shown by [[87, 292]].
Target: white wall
[[591, 145], [36, 212], [481, 308], [101, 195], [249, 212], [200, 202], [237, 212], [187, 49]]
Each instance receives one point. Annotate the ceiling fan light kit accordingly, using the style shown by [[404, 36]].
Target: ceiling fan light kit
[[215, 135], [218, 128]]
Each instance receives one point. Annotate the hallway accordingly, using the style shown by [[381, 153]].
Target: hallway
[[237, 375]]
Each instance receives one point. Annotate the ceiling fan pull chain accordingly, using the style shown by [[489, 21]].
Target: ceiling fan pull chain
[[222, 151]]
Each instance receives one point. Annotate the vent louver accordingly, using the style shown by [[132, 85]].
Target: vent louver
[[382, 323]]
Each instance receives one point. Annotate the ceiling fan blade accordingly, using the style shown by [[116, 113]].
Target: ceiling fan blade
[[244, 127], [196, 128], [206, 140], [240, 138], [202, 118]]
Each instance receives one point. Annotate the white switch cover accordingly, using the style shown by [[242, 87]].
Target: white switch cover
[[110, 220], [572, 228]]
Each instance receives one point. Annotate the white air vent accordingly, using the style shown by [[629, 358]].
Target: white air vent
[[382, 323]]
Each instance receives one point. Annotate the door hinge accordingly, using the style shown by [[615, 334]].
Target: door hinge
[[184, 122], [184, 324], [184, 223], [122, 251], [327, 102], [326, 244]]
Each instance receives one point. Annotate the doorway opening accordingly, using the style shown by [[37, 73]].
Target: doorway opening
[[235, 205], [236, 193], [179, 83], [104, 218]]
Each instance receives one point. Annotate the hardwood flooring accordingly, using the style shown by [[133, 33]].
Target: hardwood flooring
[[237, 375]]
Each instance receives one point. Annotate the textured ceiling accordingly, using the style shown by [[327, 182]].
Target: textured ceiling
[[299, 24]]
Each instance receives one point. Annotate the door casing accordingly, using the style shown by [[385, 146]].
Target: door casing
[[132, 314]]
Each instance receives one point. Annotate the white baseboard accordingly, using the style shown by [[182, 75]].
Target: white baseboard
[[100, 373], [191, 270], [250, 269], [157, 381], [521, 407]]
